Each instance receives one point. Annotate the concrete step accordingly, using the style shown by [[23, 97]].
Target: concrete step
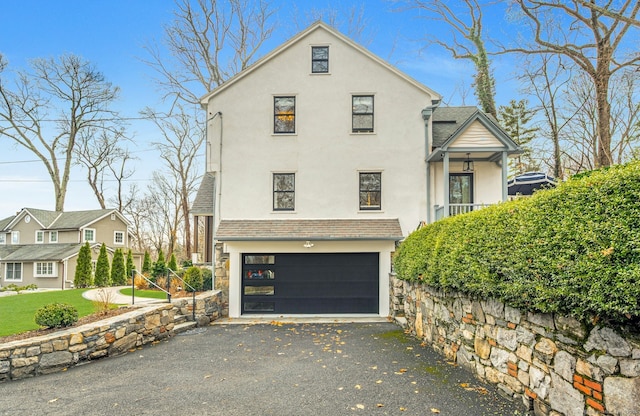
[[183, 327]]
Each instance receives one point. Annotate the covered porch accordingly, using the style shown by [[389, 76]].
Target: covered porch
[[467, 167]]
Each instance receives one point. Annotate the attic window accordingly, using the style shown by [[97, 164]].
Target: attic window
[[319, 59]]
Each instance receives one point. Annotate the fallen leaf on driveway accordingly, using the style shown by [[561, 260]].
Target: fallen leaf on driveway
[[358, 386], [379, 405], [434, 410], [360, 406], [53, 400]]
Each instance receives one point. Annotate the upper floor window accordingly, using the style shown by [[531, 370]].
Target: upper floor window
[[319, 59], [284, 191], [362, 114], [89, 235], [39, 236], [13, 272], [370, 190], [3, 238], [15, 237], [53, 236], [284, 110], [118, 237]]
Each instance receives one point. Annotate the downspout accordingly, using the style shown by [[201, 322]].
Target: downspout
[[427, 112]]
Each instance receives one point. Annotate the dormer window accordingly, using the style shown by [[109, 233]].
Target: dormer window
[[319, 59]]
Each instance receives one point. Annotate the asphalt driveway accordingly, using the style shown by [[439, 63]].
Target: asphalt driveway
[[265, 369]]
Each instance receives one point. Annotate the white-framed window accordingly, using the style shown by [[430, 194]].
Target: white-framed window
[[15, 237], [13, 272], [118, 237], [89, 235], [39, 236], [53, 236], [45, 269], [3, 238]]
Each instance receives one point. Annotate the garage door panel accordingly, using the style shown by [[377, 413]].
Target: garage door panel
[[316, 283]]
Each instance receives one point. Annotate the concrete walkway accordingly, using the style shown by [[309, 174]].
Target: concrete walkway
[[113, 295]]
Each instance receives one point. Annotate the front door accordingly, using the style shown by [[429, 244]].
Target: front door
[[460, 193]]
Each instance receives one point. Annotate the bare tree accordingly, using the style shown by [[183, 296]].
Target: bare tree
[[467, 41], [208, 42], [51, 107], [596, 38], [544, 78], [181, 144], [351, 20], [100, 153], [163, 198]]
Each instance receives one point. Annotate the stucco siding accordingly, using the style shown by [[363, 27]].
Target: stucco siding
[[323, 153]]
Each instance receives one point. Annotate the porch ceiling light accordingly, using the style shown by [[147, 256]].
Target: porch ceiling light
[[467, 165], [308, 244]]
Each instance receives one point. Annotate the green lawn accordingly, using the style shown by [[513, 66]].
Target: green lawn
[[17, 312], [156, 294]]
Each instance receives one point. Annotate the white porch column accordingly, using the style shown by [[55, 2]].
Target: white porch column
[[505, 166], [445, 185]]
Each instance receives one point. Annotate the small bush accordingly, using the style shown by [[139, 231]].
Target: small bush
[[206, 279], [56, 315], [141, 283], [193, 277]]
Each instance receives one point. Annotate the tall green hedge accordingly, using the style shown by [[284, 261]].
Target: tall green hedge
[[574, 249]]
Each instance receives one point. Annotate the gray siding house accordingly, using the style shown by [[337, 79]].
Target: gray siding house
[[41, 247]]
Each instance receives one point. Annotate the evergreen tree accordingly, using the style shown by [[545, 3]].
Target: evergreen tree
[[102, 268], [83, 276], [160, 266], [515, 119], [173, 263], [129, 265], [118, 269], [146, 263]]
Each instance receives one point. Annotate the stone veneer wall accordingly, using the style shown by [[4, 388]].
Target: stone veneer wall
[[551, 362], [113, 336]]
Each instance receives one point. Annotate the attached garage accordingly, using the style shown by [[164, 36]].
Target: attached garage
[[309, 267], [325, 283]]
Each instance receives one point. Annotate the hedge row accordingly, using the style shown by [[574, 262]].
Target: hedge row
[[573, 250]]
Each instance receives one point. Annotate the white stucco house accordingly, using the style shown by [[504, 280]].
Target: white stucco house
[[320, 158]]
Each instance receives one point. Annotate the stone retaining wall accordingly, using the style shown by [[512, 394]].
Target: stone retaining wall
[[113, 336], [551, 362]]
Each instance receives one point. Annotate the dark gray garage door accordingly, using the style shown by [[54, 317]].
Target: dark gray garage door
[[310, 283]]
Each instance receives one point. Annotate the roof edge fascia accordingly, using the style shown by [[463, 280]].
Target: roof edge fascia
[[496, 131]]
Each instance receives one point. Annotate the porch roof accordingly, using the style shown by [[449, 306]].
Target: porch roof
[[310, 229], [203, 204], [38, 252]]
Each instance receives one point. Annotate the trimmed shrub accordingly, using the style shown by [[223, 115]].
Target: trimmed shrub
[[129, 265], [146, 263], [206, 279], [83, 275], [173, 263], [102, 277], [193, 277], [574, 250], [56, 315], [159, 267], [118, 269]]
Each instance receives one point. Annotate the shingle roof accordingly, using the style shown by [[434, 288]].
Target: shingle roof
[[5, 222], [203, 204], [77, 219], [326, 229], [38, 252], [447, 120], [42, 216]]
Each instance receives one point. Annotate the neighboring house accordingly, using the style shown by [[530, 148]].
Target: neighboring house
[[41, 247], [320, 158]]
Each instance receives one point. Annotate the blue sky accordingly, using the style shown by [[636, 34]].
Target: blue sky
[[111, 33]]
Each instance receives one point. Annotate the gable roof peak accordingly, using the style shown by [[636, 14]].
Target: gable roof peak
[[317, 25]]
